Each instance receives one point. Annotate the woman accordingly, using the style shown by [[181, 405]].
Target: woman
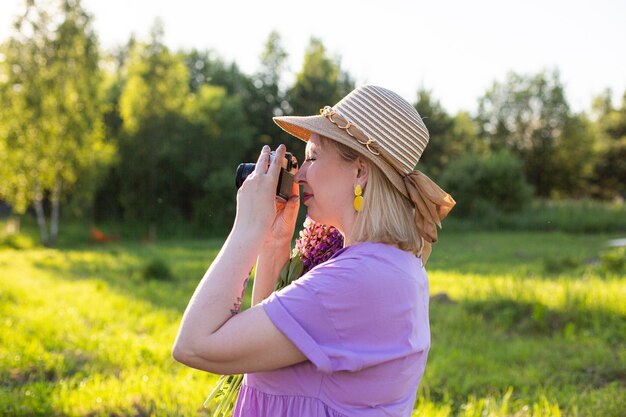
[[351, 337]]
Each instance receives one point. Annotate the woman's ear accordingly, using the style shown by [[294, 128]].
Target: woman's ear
[[362, 171]]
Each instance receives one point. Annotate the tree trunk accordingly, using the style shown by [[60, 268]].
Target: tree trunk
[[54, 216], [41, 216], [13, 226]]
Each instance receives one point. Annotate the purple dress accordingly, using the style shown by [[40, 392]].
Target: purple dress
[[361, 319]]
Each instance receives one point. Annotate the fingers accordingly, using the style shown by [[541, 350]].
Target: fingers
[[261, 163], [277, 162], [295, 191], [292, 206]]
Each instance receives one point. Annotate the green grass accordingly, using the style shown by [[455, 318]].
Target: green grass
[[572, 216], [523, 324]]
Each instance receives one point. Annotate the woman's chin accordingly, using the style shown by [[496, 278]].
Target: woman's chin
[[316, 217], [311, 214]]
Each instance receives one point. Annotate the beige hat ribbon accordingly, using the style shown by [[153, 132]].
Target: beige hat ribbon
[[432, 205]]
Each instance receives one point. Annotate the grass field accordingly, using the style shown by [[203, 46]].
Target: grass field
[[523, 324]]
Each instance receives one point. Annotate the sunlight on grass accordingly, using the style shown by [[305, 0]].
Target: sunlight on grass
[[84, 332], [76, 341]]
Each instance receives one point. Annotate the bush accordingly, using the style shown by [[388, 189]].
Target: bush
[[557, 265], [613, 261], [157, 269], [570, 216], [215, 211], [17, 241], [484, 186]]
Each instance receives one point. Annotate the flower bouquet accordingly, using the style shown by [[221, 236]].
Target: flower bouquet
[[315, 244]]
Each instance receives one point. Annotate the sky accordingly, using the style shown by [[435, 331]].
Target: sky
[[455, 48]]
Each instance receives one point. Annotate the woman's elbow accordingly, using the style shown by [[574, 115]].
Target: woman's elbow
[[184, 350], [180, 353], [187, 356]]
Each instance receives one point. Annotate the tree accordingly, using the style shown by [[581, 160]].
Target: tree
[[609, 171], [530, 116], [216, 139], [271, 97], [450, 137], [151, 104], [207, 69], [52, 116], [268, 79], [439, 125], [178, 158], [107, 204], [320, 82]]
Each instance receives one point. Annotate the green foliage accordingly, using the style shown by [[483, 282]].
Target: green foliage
[[215, 210], [291, 271], [154, 76], [157, 269], [530, 116], [17, 241], [320, 82], [52, 139], [577, 216], [484, 186], [224, 396], [559, 265], [177, 160], [217, 140], [450, 137], [260, 92], [63, 118], [270, 97], [613, 261], [609, 172]]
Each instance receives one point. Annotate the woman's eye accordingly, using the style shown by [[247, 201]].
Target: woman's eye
[[309, 159]]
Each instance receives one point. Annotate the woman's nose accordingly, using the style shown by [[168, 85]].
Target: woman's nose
[[299, 177]]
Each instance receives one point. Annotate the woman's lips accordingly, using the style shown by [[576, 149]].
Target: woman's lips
[[306, 196]]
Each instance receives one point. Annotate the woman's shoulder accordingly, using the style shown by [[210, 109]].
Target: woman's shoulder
[[377, 253], [367, 265]]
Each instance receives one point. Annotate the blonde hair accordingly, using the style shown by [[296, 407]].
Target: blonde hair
[[387, 216]]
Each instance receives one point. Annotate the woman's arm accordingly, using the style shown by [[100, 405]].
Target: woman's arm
[[268, 267], [212, 336]]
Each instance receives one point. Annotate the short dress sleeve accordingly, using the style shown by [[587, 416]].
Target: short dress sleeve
[[356, 310]]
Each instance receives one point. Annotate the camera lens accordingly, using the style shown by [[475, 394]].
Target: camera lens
[[243, 170]]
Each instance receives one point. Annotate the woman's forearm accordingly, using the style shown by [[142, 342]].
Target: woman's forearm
[[268, 267], [220, 292]]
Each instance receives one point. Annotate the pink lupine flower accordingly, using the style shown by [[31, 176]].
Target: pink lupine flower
[[316, 244]]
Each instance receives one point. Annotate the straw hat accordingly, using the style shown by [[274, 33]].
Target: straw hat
[[387, 130]]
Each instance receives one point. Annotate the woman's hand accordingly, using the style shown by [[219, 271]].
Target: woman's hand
[[258, 213]]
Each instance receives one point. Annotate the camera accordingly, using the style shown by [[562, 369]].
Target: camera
[[285, 179]]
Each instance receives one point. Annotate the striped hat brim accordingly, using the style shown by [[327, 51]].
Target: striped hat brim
[[303, 127]]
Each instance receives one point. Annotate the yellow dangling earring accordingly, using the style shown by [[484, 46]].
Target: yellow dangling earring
[[358, 199]]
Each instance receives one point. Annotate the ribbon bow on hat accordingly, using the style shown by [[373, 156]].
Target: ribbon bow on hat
[[432, 205]]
